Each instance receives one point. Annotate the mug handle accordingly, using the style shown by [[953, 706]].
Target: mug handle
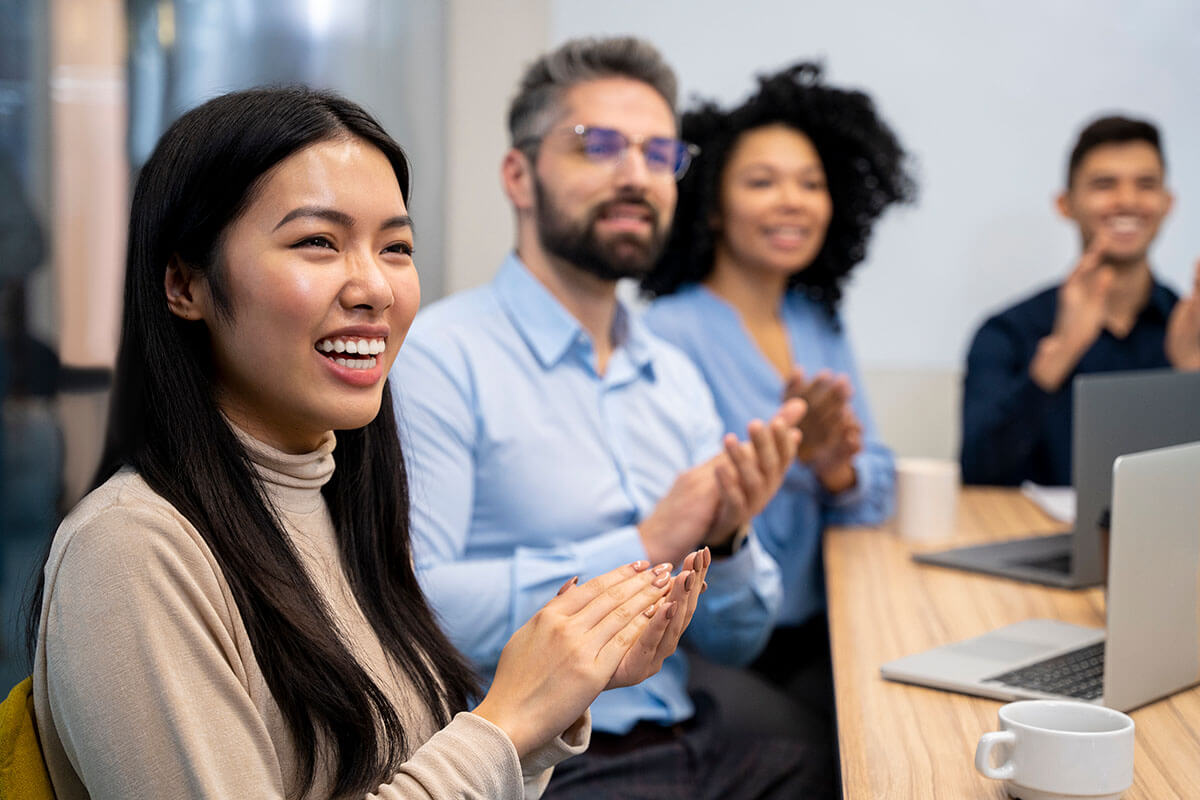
[[983, 755]]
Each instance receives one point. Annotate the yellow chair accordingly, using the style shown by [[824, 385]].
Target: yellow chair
[[23, 773]]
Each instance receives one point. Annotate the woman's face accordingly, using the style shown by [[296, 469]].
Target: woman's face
[[323, 289], [775, 205]]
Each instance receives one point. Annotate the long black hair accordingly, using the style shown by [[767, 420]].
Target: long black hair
[[863, 161], [165, 423]]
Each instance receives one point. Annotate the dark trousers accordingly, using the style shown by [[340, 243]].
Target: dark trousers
[[696, 760], [797, 660]]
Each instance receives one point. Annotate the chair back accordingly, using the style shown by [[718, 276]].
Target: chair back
[[23, 772]]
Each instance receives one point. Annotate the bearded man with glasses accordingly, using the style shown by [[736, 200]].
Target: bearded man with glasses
[[550, 435]]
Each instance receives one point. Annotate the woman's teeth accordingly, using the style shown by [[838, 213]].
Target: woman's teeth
[[356, 363], [365, 347], [362, 352]]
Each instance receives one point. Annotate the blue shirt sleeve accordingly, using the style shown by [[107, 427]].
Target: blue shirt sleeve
[[479, 601], [735, 617]]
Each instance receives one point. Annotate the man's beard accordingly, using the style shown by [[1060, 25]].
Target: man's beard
[[625, 255]]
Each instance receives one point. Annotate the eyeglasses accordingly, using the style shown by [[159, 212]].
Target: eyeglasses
[[609, 146]]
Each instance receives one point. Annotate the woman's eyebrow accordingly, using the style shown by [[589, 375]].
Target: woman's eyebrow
[[334, 216], [399, 221], [341, 218]]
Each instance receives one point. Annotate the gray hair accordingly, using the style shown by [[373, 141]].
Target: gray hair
[[539, 99]]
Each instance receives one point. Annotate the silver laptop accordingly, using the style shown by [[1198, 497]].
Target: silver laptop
[[1114, 413], [1153, 634]]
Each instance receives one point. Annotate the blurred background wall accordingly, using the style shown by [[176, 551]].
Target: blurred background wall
[[86, 88], [988, 98]]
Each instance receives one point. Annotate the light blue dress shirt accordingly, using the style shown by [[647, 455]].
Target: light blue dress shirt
[[527, 467], [746, 386]]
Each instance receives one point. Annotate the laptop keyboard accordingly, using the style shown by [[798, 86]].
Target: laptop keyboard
[[1079, 673]]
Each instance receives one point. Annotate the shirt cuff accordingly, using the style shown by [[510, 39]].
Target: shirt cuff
[[738, 568], [599, 554], [470, 755], [571, 742], [847, 497]]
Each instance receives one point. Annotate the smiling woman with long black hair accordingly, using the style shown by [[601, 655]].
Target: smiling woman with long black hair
[[228, 615]]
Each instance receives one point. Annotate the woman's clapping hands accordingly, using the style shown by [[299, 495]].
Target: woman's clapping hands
[[615, 630]]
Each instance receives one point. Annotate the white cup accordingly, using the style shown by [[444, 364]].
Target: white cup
[[1060, 750], [926, 498]]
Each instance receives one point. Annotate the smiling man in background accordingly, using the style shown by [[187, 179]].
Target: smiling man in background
[[1109, 314]]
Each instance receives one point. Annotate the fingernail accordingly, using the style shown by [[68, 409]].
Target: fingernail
[[704, 587], [661, 580], [688, 581], [638, 566], [670, 607], [649, 612], [663, 567], [568, 585]]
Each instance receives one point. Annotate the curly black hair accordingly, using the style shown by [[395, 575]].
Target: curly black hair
[[864, 164]]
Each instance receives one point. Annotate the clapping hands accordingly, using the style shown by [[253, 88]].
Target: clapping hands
[[709, 503], [615, 630], [1182, 343], [1083, 296], [832, 434]]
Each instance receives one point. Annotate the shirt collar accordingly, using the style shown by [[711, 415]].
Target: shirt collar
[[292, 482], [633, 338], [548, 328]]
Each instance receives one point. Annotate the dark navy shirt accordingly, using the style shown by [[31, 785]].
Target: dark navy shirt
[[1011, 429]]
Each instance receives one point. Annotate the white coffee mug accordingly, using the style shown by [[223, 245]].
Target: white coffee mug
[[926, 498], [1060, 750]]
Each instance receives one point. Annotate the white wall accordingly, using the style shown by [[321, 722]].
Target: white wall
[[988, 98], [489, 45]]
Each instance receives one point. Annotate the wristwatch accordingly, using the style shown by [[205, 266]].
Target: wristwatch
[[731, 545]]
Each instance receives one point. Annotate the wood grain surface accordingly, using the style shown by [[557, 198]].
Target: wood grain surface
[[900, 741]]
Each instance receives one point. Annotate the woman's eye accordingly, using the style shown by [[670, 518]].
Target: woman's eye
[[758, 183], [315, 241], [403, 248]]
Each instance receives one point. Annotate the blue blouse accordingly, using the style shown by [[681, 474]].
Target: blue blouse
[[746, 386]]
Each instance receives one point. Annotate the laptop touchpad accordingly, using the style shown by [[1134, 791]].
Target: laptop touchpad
[[999, 648]]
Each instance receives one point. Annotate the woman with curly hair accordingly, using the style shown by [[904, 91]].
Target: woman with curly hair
[[775, 213]]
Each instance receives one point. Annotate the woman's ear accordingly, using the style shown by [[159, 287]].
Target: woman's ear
[[185, 290]]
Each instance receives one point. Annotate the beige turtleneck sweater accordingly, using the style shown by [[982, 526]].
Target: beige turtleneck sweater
[[146, 686]]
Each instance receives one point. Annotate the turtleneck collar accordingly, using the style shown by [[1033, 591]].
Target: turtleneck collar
[[293, 481]]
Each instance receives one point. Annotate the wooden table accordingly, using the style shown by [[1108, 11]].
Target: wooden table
[[900, 741]]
